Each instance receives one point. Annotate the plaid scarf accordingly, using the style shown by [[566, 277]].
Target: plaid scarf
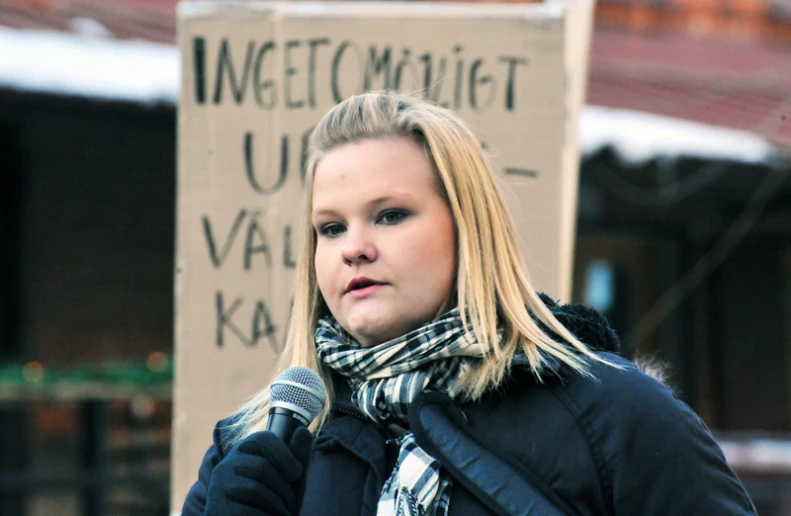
[[385, 379]]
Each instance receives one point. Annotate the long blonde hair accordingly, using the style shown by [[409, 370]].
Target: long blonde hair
[[492, 283]]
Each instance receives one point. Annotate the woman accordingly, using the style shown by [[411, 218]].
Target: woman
[[453, 387]]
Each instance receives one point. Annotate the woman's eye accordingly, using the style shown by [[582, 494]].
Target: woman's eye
[[392, 217], [331, 230]]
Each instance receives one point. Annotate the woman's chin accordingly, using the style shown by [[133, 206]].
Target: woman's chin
[[373, 331]]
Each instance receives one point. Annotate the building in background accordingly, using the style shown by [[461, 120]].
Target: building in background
[[87, 124], [684, 212], [693, 249]]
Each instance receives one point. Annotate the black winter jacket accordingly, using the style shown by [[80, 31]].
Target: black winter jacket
[[619, 444]]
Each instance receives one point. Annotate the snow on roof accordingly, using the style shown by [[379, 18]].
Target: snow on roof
[[145, 72], [638, 136], [759, 454], [68, 64]]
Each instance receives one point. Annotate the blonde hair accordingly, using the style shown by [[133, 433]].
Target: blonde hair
[[492, 283]]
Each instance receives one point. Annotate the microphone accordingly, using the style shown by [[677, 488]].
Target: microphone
[[295, 399]]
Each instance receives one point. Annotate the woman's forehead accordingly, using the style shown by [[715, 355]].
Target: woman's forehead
[[374, 169]]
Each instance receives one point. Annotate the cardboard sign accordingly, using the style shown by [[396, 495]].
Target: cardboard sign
[[578, 33], [256, 77]]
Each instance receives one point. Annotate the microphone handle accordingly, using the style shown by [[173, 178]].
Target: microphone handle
[[283, 423]]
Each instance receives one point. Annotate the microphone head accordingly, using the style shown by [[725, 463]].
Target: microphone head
[[299, 389]]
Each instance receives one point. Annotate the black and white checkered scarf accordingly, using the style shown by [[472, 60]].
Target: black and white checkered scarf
[[385, 379]]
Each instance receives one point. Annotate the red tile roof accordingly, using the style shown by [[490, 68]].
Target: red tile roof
[[153, 20], [737, 83], [740, 84]]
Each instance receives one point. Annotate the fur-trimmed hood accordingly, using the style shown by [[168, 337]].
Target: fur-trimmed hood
[[592, 328], [587, 324]]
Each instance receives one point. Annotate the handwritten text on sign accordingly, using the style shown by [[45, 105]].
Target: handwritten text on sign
[[274, 74], [486, 81]]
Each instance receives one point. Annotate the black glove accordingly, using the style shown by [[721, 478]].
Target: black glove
[[260, 476]]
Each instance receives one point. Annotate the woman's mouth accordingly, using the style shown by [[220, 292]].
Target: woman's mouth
[[362, 287], [361, 293]]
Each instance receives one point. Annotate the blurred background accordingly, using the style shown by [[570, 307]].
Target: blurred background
[[684, 219]]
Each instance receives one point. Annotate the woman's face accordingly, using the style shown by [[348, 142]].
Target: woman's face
[[385, 241]]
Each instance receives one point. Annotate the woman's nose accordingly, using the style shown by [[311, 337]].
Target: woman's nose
[[358, 247]]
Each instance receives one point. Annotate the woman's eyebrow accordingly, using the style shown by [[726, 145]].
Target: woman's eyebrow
[[324, 212], [398, 196]]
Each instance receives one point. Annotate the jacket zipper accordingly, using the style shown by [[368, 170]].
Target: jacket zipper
[[352, 413]]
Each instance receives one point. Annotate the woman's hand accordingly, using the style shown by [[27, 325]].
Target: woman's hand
[[260, 476]]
